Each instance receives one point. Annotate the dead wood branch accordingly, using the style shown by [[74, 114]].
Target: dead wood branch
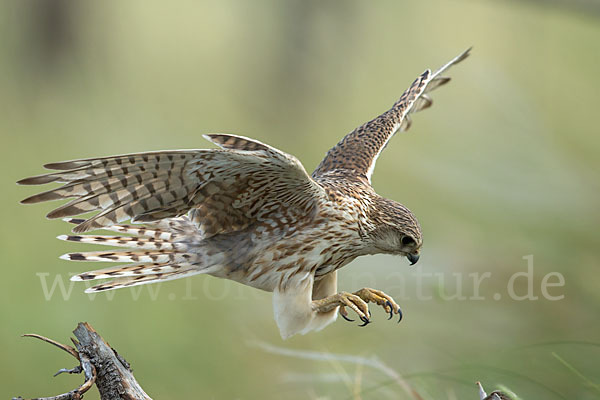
[[101, 364]]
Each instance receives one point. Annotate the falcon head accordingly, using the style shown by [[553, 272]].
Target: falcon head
[[396, 230]]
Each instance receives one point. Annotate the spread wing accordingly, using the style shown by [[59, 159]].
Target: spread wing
[[357, 152], [226, 189]]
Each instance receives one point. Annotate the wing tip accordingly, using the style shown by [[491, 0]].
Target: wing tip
[[464, 54], [455, 60], [25, 181], [36, 180], [54, 214], [28, 200], [461, 56], [76, 221]]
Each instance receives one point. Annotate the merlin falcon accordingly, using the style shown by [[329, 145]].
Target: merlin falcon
[[246, 212]]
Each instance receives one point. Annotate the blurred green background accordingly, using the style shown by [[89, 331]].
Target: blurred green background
[[504, 166]]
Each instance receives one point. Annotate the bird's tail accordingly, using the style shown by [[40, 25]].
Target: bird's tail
[[159, 252]]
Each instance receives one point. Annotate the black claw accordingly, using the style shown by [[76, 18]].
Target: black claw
[[391, 309], [346, 318], [365, 321], [400, 314]]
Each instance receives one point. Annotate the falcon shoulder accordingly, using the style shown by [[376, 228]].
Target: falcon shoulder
[[357, 152]]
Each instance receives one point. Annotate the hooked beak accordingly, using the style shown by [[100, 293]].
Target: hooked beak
[[413, 258]]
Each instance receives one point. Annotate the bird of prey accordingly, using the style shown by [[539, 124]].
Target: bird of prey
[[246, 212]]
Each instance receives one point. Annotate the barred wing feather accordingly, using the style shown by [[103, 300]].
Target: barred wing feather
[[356, 154], [226, 189]]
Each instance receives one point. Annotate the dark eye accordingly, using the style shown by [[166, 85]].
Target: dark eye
[[407, 240]]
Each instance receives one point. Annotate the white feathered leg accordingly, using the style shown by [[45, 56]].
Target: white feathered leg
[[295, 310]]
